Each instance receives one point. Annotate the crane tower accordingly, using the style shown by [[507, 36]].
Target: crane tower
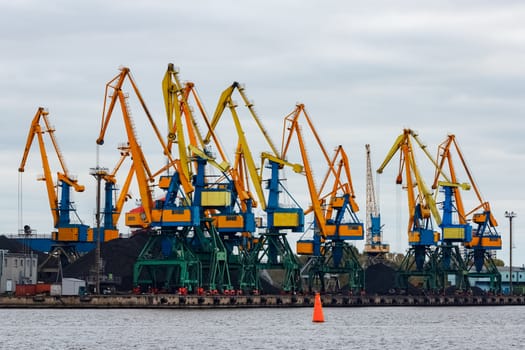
[[374, 247]]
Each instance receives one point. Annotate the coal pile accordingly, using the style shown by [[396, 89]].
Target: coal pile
[[14, 246], [118, 257], [379, 279]]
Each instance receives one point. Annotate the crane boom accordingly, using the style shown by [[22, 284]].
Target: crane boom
[[333, 206], [243, 148], [374, 238], [114, 93], [421, 204], [60, 210], [371, 204], [341, 194], [485, 236]]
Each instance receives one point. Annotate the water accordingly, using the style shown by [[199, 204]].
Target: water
[[499, 327]]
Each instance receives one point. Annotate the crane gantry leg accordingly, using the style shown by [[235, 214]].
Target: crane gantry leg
[[272, 252]]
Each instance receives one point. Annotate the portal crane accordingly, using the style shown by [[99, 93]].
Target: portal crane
[[233, 189], [435, 256], [484, 238], [375, 248], [272, 250], [334, 208], [143, 174], [161, 217], [214, 198], [68, 233]]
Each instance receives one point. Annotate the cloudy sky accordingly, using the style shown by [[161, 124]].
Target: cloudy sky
[[364, 71]]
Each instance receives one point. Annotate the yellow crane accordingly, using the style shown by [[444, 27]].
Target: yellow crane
[[432, 256], [272, 250], [421, 204], [485, 237]]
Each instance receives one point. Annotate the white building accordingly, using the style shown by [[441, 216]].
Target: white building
[[17, 268]]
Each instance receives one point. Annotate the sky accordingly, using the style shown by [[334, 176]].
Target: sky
[[364, 70]]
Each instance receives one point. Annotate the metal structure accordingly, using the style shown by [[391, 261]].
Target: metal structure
[[69, 233], [203, 235], [271, 250], [184, 251], [221, 193], [484, 238], [334, 209], [375, 248], [510, 215], [432, 258], [224, 194]]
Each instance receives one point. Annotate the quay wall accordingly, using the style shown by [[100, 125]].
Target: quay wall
[[241, 301]]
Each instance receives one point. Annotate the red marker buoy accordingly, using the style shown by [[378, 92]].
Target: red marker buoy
[[318, 309]]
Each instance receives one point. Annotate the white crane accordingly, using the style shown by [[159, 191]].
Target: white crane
[[374, 246]]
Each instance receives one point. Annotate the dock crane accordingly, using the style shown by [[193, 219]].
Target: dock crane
[[229, 184], [484, 238], [375, 248], [223, 202], [144, 216], [431, 257], [142, 172], [184, 252], [68, 235], [334, 209], [271, 249]]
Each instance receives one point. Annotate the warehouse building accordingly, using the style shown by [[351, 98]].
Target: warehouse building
[[17, 268]]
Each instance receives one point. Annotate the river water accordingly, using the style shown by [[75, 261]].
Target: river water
[[498, 327]]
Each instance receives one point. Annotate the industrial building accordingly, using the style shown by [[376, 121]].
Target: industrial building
[[17, 268]]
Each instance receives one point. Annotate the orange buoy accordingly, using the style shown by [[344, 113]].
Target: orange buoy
[[318, 309]]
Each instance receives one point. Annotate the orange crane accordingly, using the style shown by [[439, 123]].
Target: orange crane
[[148, 212], [143, 174], [70, 238], [435, 256], [183, 243], [485, 238], [333, 205], [154, 216], [60, 211]]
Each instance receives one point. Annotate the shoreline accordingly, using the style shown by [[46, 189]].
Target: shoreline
[[171, 301]]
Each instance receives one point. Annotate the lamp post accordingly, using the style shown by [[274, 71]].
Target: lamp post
[[98, 173], [510, 215]]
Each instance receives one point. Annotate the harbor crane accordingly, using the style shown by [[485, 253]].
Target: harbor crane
[[375, 248], [485, 238], [68, 233], [271, 249], [333, 206], [184, 251], [432, 257]]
